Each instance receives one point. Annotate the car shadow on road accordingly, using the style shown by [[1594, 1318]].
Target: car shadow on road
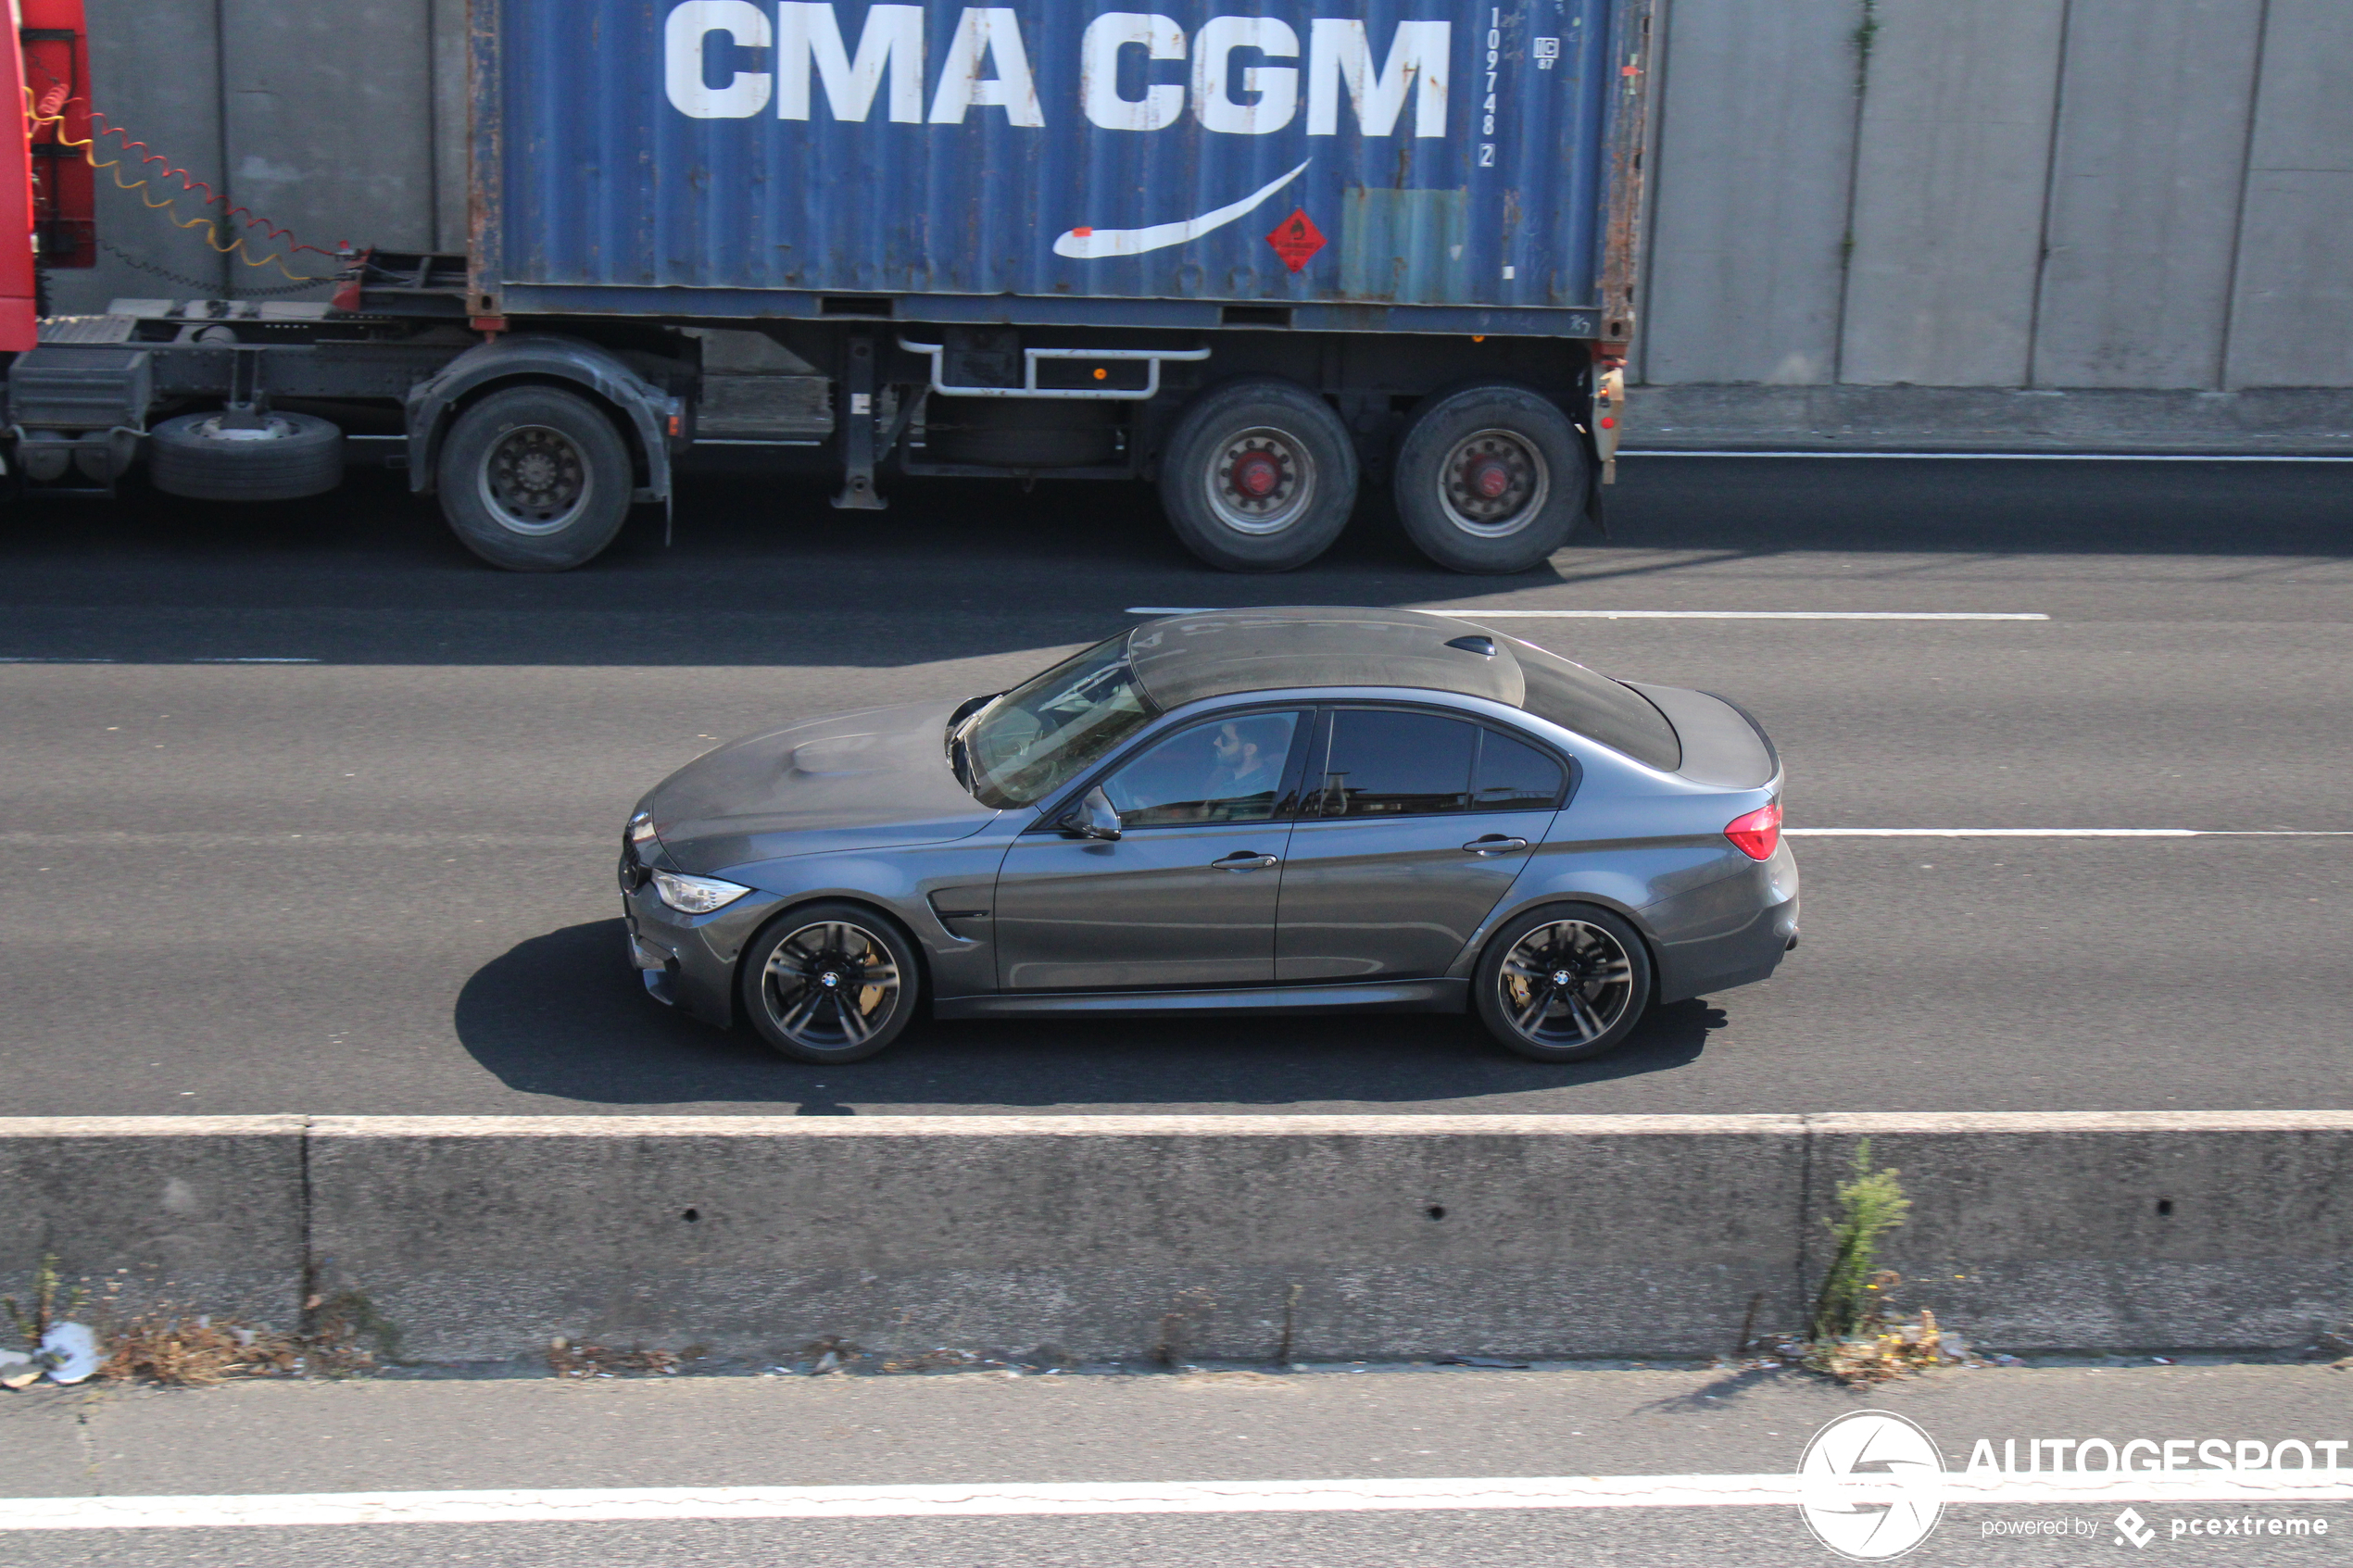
[[561, 1016]]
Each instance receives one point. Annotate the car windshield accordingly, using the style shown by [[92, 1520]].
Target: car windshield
[[1032, 740]]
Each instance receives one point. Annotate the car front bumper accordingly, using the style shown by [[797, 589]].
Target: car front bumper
[[688, 962]]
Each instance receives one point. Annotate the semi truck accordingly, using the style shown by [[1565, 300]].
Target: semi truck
[[1273, 257]]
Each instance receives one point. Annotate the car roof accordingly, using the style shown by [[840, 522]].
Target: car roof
[[1218, 653]]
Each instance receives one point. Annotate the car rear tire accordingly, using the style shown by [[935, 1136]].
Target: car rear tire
[[868, 1002], [1490, 479], [534, 479], [1565, 982], [1259, 475], [271, 457]]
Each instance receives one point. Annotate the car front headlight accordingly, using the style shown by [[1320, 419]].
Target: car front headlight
[[696, 895]]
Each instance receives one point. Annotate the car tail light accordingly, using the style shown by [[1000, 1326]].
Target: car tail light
[[1759, 834]]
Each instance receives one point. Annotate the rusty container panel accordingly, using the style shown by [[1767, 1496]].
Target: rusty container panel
[[1382, 152]]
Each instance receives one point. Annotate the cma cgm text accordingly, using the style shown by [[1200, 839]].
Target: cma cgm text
[[1243, 72]]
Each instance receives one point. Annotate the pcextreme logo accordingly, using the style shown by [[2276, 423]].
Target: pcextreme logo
[[1871, 1486]]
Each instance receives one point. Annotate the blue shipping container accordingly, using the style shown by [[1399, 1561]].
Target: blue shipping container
[[1389, 153]]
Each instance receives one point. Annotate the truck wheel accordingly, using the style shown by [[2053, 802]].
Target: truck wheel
[[225, 457], [534, 479], [1258, 476], [1490, 479]]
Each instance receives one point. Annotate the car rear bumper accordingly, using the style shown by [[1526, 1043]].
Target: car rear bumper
[[1737, 958]]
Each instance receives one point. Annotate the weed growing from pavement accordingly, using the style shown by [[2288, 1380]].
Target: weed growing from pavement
[[34, 1325], [1870, 1204], [1851, 1338]]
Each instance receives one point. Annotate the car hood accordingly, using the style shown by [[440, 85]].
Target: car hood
[[868, 780]]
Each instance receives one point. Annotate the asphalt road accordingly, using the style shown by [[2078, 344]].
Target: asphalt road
[[960, 1430], [381, 882]]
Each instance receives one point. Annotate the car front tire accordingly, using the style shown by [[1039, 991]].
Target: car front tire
[[830, 982], [1564, 983]]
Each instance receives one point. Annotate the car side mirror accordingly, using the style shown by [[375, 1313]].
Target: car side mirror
[[1093, 817]]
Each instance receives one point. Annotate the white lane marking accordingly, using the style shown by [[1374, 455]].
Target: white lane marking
[[103, 839], [660, 1503], [1087, 244], [45, 658], [2067, 832], [1472, 612], [1998, 457]]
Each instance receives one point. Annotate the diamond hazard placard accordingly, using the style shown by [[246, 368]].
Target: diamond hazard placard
[[1296, 239]]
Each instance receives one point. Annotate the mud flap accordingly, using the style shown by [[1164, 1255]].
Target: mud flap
[[1600, 442]]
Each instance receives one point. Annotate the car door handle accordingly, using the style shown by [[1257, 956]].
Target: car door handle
[[1494, 844], [1243, 861]]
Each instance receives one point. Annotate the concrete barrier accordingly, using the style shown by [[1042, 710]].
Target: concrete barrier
[[203, 1210], [2217, 1230], [1243, 1237]]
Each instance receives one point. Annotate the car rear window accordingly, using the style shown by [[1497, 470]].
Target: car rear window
[[1514, 776], [1576, 699]]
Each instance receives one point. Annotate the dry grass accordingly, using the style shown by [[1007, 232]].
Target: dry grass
[[1883, 1351], [568, 1360], [172, 1347], [196, 1352]]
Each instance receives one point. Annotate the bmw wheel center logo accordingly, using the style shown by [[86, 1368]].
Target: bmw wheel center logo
[[1871, 1486]]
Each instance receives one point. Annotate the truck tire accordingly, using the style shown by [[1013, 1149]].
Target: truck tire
[[1259, 475], [1490, 479], [534, 479], [221, 457]]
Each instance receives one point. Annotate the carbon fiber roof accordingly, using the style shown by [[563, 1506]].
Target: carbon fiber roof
[[1216, 653]]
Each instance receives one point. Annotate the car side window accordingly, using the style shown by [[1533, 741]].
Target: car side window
[[1223, 771], [1391, 763], [1514, 776]]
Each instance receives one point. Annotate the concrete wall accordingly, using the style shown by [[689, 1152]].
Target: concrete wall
[[203, 1210], [2072, 194], [480, 1238]]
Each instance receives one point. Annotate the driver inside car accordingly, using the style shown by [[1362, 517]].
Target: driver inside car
[[1223, 772]]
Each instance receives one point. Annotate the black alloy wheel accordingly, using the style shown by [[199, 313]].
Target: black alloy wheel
[[1566, 983], [534, 479], [830, 982], [1490, 479], [1259, 475]]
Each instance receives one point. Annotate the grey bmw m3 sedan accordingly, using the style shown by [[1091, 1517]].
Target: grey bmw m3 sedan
[[1274, 810]]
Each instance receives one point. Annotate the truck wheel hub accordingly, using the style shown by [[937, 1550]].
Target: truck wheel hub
[[1257, 475], [534, 479], [1493, 482], [1260, 481]]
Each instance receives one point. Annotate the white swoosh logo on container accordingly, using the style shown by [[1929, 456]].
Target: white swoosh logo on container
[[1086, 245]]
